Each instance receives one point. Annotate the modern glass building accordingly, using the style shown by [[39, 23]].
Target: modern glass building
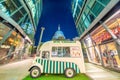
[[18, 22], [98, 26]]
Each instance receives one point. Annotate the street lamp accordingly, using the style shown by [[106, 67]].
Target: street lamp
[[41, 34]]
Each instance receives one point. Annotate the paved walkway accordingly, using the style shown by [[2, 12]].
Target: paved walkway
[[19, 70], [99, 73], [16, 70]]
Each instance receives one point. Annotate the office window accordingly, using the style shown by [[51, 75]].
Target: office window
[[91, 17], [86, 22], [105, 2], [17, 2], [78, 11], [91, 3], [23, 11], [80, 29], [97, 8], [9, 6], [80, 2], [83, 17], [87, 10], [75, 18], [17, 16]]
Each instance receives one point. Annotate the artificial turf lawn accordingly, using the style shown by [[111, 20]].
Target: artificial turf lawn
[[58, 77]]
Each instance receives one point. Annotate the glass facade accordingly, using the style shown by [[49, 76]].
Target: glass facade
[[13, 8], [84, 12], [17, 33], [101, 47], [99, 44], [35, 7]]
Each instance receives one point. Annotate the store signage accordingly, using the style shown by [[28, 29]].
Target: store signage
[[105, 35]]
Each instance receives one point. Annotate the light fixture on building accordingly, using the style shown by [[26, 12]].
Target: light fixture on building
[[1, 37], [5, 46]]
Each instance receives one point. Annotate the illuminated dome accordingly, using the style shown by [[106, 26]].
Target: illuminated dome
[[58, 34]]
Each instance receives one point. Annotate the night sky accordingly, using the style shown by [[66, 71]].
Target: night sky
[[56, 12]]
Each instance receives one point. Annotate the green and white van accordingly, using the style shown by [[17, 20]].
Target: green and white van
[[59, 57]]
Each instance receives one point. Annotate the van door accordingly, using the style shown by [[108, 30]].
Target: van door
[[45, 61]]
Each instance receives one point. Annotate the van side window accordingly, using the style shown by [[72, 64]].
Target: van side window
[[45, 54], [75, 51], [60, 52], [54, 52]]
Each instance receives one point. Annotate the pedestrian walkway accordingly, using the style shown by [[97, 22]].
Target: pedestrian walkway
[[97, 72], [16, 70]]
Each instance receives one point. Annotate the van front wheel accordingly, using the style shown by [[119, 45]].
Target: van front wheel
[[69, 73], [35, 72]]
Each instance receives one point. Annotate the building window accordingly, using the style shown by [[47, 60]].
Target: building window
[[97, 8], [105, 2], [9, 6], [77, 11], [17, 16]]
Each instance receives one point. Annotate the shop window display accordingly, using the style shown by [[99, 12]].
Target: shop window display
[[92, 50], [113, 55], [110, 55], [4, 48], [12, 47]]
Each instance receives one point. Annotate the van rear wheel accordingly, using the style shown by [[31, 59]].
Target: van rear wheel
[[35, 72], [69, 73]]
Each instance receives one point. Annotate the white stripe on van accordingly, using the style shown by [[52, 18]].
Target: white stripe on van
[[65, 65]]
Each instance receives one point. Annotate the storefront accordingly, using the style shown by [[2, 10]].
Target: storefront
[[101, 47], [92, 50], [12, 45]]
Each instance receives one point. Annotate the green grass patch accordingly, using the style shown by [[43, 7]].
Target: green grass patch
[[58, 77]]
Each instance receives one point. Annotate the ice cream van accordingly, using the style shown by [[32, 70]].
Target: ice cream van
[[59, 57]]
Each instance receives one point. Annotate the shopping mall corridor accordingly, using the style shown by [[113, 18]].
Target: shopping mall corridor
[[15, 70], [18, 70]]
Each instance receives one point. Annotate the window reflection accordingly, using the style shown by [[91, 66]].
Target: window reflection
[[17, 16], [28, 29], [9, 6]]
